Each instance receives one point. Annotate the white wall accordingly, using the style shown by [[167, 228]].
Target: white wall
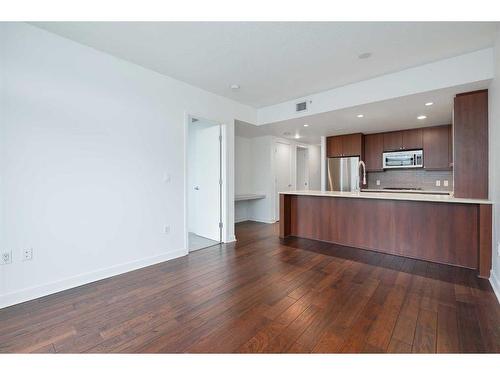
[[323, 163], [302, 168], [494, 147], [86, 142], [253, 175], [243, 179], [314, 167], [243, 176]]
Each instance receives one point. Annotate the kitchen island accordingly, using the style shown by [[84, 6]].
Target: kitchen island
[[436, 228]]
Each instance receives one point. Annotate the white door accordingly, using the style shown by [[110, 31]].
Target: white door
[[302, 169], [283, 165], [205, 182]]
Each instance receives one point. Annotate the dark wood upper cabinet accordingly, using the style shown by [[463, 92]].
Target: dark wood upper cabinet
[[412, 139], [344, 145], [436, 142], [403, 140], [374, 147], [334, 146], [352, 145], [393, 141], [470, 134]]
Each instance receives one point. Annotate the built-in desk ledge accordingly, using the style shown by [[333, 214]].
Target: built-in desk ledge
[[248, 197], [393, 196]]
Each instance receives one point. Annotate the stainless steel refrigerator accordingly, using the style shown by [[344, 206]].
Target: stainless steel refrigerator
[[343, 174]]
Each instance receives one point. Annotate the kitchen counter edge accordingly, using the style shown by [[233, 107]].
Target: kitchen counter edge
[[390, 196]]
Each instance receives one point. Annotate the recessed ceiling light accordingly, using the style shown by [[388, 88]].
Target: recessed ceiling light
[[422, 117], [365, 55], [360, 115], [429, 104], [306, 125], [297, 136], [235, 86]]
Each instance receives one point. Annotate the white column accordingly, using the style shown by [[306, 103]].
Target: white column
[[323, 163]]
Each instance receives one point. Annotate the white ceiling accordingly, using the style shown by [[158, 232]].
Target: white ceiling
[[276, 61], [395, 114]]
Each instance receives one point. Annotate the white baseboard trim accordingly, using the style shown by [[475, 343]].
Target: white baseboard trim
[[495, 284], [267, 221], [85, 278], [231, 239]]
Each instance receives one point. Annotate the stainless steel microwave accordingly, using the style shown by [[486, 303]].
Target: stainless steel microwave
[[403, 159]]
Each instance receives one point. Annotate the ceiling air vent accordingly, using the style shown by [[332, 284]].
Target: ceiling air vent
[[301, 107]]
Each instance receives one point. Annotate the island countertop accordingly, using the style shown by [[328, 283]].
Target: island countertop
[[389, 195]]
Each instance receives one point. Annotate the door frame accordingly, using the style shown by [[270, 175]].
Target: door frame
[[223, 191]]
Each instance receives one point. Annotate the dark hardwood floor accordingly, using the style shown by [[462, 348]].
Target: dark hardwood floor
[[266, 295]]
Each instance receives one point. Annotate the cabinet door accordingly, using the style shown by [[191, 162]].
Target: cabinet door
[[436, 147], [393, 141], [334, 146], [412, 139], [470, 134], [374, 147], [352, 144]]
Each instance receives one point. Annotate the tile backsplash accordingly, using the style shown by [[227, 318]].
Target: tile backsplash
[[411, 178]]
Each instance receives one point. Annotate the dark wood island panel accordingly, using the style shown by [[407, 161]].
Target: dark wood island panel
[[449, 233]]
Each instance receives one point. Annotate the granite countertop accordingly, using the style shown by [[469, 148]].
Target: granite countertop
[[386, 195]]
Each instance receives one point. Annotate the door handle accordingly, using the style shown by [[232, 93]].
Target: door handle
[[196, 188]]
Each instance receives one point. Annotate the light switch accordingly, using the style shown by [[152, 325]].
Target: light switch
[[438, 182], [445, 183], [378, 182]]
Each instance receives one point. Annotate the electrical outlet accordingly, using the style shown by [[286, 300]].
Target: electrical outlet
[[166, 229], [6, 257], [438, 182], [27, 254], [445, 183], [378, 182]]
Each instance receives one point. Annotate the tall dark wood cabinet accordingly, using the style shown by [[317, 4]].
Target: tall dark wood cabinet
[[470, 133]]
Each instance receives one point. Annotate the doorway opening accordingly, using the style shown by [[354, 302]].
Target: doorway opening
[[204, 183], [302, 167]]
